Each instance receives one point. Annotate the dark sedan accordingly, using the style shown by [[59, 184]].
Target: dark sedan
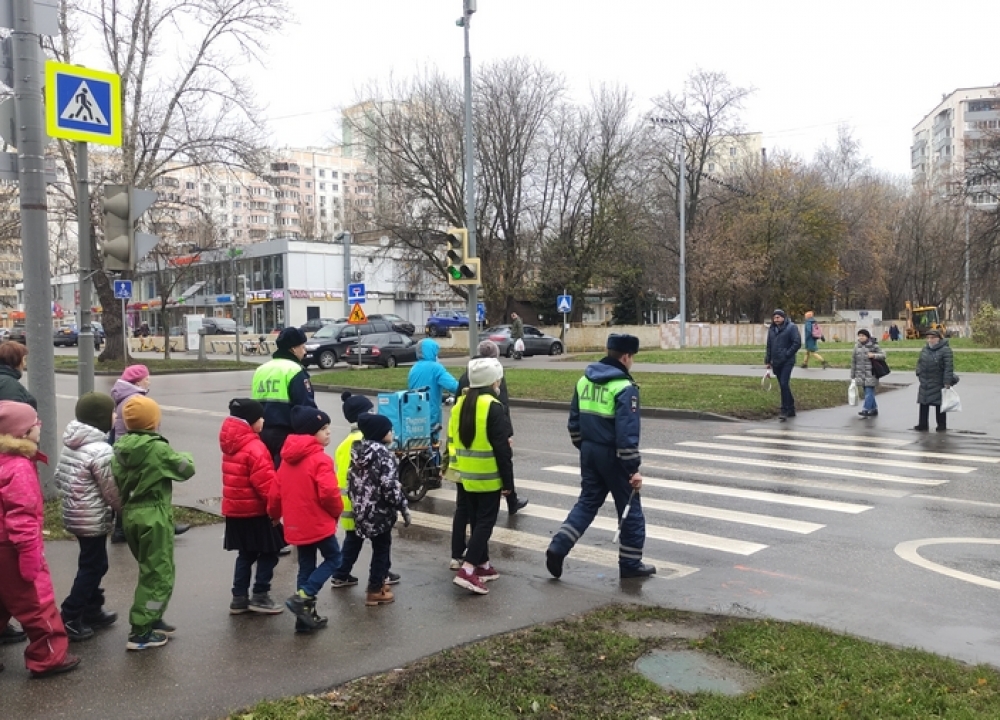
[[385, 349], [398, 323], [535, 341]]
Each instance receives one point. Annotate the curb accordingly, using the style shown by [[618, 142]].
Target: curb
[[660, 413], [189, 371]]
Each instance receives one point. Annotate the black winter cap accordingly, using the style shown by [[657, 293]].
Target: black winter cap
[[354, 405], [290, 337], [308, 420], [374, 427], [627, 344], [246, 409]]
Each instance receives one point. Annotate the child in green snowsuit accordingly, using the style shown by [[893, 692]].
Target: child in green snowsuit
[[145, 466]]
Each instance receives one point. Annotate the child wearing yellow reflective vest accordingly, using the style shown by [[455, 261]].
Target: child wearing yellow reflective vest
[[481, 459], [354, 407]]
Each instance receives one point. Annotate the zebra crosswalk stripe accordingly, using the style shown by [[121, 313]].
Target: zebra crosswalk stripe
[[863, 448], [829, 436]]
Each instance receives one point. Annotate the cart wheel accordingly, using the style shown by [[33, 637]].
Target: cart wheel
[[411, 477]]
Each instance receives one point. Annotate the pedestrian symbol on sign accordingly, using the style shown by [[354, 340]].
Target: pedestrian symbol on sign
[[83, 108], [564, 303]]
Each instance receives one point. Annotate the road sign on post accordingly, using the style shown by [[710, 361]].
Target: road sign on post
[[564, 304], [82, 104], [356, 294], [123, 289], [357, 316]]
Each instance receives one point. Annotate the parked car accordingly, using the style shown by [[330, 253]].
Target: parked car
[[535, 341], [69, 335], [440, 322], [18, 333], [219, 326], [398, 324], [385, 349], [311, 326], [327, 346]]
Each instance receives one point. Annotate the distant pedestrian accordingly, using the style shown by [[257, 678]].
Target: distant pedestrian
[[145, 468], [89, 495], [783, 341], [604, 426], [893, 333], [306, 496], [247, 476], [281, 385], [935, 371], [479, 447], [517, 334], [377, 497], [866, 350], [813, 333], [353, 407], [26, 591]]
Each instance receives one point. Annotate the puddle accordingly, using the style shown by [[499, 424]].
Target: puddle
[[688, 671]]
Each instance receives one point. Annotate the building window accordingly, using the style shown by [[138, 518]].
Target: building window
[[322, 173], [189, 186]]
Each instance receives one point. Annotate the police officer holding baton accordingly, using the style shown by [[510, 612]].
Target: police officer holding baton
[[604, 426]]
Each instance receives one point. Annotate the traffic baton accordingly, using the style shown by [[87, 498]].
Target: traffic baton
[[621, 520]]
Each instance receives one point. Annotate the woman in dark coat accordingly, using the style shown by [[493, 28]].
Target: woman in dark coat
[[935, 371], [12, 364]]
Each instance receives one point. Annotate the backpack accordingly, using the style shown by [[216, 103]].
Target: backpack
[[817, 331]]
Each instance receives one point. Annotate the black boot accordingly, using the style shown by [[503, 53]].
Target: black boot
[[77, 631], [11, 635]]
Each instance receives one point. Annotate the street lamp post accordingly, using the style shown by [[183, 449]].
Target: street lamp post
[[468, 8], [682, 231], [968, 302]]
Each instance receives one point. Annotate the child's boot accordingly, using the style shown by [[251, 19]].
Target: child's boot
[[317, 619], [76, 630], [262, 603], [383, 596], [239, 605], [299, 605]]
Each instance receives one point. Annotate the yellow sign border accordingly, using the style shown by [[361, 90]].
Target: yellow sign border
[[53, 69]]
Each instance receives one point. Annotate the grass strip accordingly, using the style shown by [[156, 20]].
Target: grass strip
[[53, 529], [583, 667], [738, 397]]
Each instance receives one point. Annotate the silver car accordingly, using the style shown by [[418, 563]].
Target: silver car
[[535, 341]]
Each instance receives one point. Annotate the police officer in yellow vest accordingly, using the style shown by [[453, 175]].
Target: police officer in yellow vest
[[604, 426], [279, 385], [481, 459]]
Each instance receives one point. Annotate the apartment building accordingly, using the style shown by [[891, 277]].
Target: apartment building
[[732, 153], [945, 140]]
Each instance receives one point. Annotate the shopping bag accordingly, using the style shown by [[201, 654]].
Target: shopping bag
[[950, 402], [765, 382], [852, 394], [880, 368], [519, 345]]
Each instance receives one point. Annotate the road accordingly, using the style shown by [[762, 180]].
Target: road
[[860, 526]]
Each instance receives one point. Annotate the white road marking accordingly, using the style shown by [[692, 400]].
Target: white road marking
[[849, 460], [734, 492], [861, 448], [854, 474], [538, 543], [828, 436], [908, 551], [958, 501]]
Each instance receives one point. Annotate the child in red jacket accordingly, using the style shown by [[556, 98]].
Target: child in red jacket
[[25, 582], [306, 495], [247, 476]]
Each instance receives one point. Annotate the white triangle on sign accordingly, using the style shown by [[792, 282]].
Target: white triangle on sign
[[83, 108], [564, 306]]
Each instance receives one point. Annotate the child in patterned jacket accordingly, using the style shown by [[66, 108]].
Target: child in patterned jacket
[[377, 496]]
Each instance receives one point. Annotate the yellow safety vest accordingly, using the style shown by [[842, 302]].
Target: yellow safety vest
[[342, 465], [599, 399], [271, 380], [476, 465]]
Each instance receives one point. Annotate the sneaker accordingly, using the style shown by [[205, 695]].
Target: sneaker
[[383, 597], [470, 582], [487, 574], [393, 578], [100, 618], [455, 564], [239, 605], [69, 663], [637, 572], [554, 563], [151, 639], [263, 604], [76, 631], [349, 581], [163, 627], [11, 635], [303, 608]]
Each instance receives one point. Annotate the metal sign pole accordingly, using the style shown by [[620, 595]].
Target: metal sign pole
[[124, 332], [85, 347]]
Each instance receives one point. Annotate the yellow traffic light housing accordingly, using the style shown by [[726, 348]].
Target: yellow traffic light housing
[[461, 269]]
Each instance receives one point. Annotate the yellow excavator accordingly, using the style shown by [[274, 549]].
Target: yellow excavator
[[921, 319]]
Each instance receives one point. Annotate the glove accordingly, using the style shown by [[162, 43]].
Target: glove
[[29, 562], [407, 519]]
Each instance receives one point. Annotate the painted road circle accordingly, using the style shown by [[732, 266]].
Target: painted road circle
[[908, 551]]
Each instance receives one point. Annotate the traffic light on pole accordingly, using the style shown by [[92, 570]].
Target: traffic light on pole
[[123, 247], [462, 269], [241, 291]]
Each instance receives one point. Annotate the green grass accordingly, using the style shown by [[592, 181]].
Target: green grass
[[155, 365], [53, 528], [738, 397], [583, 667]]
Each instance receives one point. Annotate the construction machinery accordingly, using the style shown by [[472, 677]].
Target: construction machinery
[[919, 320]]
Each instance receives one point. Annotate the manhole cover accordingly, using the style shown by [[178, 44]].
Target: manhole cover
[[691, 672]]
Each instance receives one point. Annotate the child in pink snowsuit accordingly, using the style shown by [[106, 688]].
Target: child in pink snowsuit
[[25, 583]]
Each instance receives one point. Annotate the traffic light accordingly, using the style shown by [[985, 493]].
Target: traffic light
[[241, 291], [123, 247], [462, 269]]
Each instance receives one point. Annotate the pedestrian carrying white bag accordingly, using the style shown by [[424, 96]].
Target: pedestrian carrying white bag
[[765, 382], [852, 393], [519, 345], [950, 402]]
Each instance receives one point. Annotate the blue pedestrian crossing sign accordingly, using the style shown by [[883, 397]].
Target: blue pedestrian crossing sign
[[480, 312], [82, 104], [356, 292], [123, 289], [564, 303]]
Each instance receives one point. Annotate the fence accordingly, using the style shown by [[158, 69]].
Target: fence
[[705, 335]]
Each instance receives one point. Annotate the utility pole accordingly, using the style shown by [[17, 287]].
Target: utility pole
[[468, 8], [85, 343], [682, 230], [34, 227], [345, 238], [968, 301]]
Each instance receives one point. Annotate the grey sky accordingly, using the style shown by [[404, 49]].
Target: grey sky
[[877, 66]]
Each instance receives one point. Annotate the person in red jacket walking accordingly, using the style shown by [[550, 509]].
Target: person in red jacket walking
[[306, 495], [247, 476]]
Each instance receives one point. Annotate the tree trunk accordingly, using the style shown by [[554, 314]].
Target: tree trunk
[[111, 317]]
